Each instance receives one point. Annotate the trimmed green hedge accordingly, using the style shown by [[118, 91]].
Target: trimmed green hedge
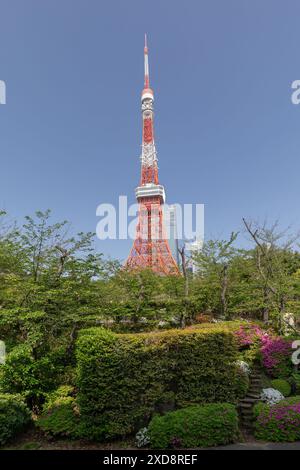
[[124, 378], [14, 416], [196, 426], [282, 386]]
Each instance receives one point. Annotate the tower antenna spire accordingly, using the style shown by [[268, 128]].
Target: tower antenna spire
[[146, 64]]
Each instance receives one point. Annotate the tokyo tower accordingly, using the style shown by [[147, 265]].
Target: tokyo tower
[[151, 247]]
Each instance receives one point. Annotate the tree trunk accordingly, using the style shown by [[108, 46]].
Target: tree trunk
[[224, 291], [186, 286]]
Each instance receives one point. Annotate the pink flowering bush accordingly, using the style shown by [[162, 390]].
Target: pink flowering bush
[[278, 423], [249, 335], [275, 352], [276, 356]]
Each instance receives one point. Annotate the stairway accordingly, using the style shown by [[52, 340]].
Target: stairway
[[246, 404]]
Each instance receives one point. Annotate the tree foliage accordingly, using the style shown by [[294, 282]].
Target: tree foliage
[[53, 283]]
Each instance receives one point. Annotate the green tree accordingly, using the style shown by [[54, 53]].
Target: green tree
[[214, 263], [276, 264]]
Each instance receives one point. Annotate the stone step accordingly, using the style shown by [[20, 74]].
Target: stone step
[[247, 419], [247, 425], [249, 400], [247, 416], [245, 406], [248, 430], [246, 411], [247, 422]]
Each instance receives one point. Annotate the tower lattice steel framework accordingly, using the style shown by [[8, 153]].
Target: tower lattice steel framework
[[151, 247]]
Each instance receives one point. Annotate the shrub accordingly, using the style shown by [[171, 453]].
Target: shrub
[[26, 375], [259, 407], [244, 367], [282, 386], [142, 438], [59, 417], [274, 351], [295, 381], [14, 416], [271, 396], [123, 379], [249, 334], [279, 423], [249, 337], [242, 383], [276, 356], [17, 324], [195, 426], [291, 400], [62, 391]]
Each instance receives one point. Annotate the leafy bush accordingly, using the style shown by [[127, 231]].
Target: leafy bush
[[295, 381], [274, 351], [61, 392], [18, 324], [242, 383], [279, 423], [249, 338], [271, 396], [142, 438], [14, 416], [195, 426], [60, 417], [282, 386], [249, 334], [24, 374], [123, 379], [244, 367], [276, 356], [291, 400]]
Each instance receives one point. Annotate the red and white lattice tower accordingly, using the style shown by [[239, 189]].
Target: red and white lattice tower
[[151, 247]]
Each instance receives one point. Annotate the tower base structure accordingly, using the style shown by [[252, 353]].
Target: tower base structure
[[151, 247]]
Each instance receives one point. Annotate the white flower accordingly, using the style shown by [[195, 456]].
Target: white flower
[[244, 366], [142, 438], [271, 396]]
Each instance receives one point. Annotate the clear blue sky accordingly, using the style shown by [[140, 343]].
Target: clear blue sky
[[227, 133]]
